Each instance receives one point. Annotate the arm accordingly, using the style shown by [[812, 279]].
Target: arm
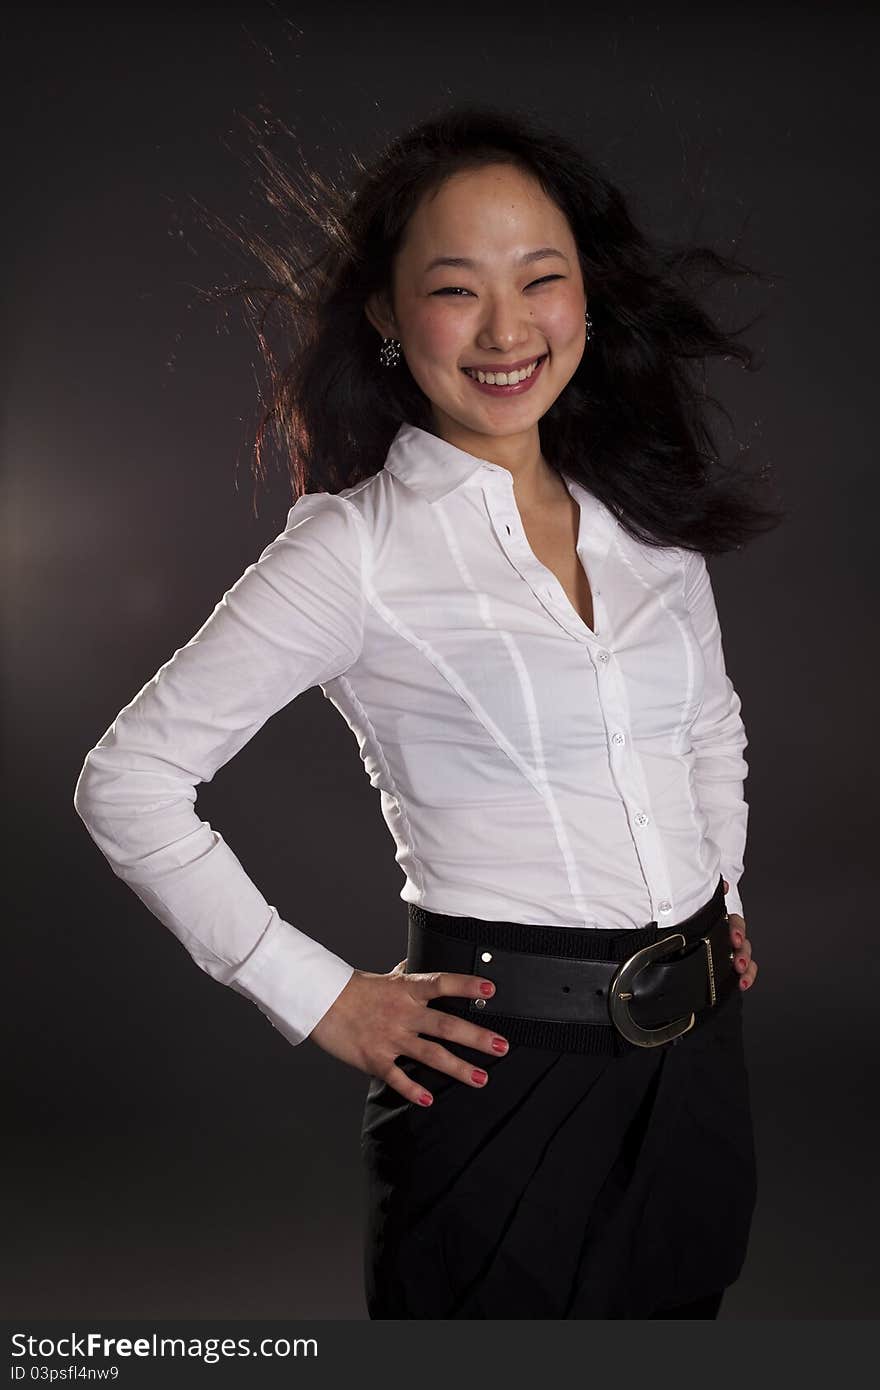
[[293, 620], [718, 735]]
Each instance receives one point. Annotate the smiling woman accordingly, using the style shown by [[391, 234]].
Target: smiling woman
[[495, 570], [483, 239], [460, 336]]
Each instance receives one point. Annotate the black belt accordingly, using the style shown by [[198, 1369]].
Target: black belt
[[583, 990]]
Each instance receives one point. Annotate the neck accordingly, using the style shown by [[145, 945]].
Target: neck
[[535, 483]]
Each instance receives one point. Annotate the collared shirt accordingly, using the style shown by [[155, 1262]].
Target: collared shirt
[[529, 768]]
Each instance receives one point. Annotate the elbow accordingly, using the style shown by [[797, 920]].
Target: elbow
[[139, 813], [721, 733], [85, 792], [107, 788]]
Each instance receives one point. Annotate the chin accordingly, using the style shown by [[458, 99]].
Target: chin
[[504, 421]]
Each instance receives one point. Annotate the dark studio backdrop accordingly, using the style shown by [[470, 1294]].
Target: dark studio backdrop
[[167, 1152]]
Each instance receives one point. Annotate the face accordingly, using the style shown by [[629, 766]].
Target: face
[[507, 306]]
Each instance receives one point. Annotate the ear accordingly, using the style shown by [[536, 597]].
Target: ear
[[378, 311]]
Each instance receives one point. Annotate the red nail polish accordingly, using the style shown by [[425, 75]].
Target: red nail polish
[[486, 987], [498, 1045], [425, 1099], [479, 1076]]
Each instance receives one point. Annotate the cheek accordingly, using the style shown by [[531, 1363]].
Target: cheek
[[445, 346], [564, 322], [436, 337]]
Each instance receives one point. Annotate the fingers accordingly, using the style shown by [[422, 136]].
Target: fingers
[[407, 1017], [457, 1030], [398, 1080], [435, 983], [742, 960], [745, 967], [428, 985], [435, 1055]]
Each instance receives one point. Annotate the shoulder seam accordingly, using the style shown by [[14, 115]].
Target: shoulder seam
[[364, 536]]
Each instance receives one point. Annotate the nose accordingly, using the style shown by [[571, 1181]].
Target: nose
[[503, 327]]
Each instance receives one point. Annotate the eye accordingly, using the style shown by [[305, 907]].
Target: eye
[[458, 289]]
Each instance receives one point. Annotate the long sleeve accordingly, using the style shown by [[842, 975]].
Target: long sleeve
[[294, 619], [718, 735]]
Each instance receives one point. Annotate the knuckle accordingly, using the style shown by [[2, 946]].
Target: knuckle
[[443, 1023], [396, 1046], [397, 1035], [433, 1053]]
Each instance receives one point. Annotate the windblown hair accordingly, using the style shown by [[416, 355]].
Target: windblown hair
[[631, 424]]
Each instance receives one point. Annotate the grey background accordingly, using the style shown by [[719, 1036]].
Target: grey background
[[168, 1153]]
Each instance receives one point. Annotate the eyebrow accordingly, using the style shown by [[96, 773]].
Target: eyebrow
[[463, 262]]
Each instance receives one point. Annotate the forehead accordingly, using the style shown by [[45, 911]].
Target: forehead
[[496, 206]]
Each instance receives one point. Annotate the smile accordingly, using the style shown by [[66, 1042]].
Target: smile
[[501, 383]]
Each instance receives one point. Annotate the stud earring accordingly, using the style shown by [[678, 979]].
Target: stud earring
[[589, 322], [389, 352]]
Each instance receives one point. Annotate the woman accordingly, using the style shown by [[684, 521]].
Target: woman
[[495, 570]]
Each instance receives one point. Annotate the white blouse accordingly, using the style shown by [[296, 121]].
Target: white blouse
[[529, 768]]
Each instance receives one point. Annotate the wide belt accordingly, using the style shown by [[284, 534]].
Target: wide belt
[[654, 995]]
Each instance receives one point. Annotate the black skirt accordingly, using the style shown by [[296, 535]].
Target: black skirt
[[570, 1186]]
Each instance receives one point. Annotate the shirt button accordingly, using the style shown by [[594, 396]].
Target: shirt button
[[603, 656], [641, 818], [618, 738], [665, 906]]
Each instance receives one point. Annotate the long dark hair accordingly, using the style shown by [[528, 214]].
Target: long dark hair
[[631, 424]]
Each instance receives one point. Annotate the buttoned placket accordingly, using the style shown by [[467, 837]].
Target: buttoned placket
[[595, 533]]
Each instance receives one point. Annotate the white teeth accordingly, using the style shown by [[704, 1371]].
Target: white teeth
[[502, 378]]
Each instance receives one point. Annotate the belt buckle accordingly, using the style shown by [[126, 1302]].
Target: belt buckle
[[620, 992]]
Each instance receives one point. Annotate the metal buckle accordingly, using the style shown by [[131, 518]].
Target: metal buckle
[[620, 992]]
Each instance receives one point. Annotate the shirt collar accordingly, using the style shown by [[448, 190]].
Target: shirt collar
[[433, 467], [430, 465]]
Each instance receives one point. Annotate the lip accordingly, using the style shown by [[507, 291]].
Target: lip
[[525, 385]]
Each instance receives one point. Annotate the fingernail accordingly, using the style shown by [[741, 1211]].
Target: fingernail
[[498, 1045], [425, 1099], [742, 963], [487, 987], [479, 1076], [738, 938], [743, 984]]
